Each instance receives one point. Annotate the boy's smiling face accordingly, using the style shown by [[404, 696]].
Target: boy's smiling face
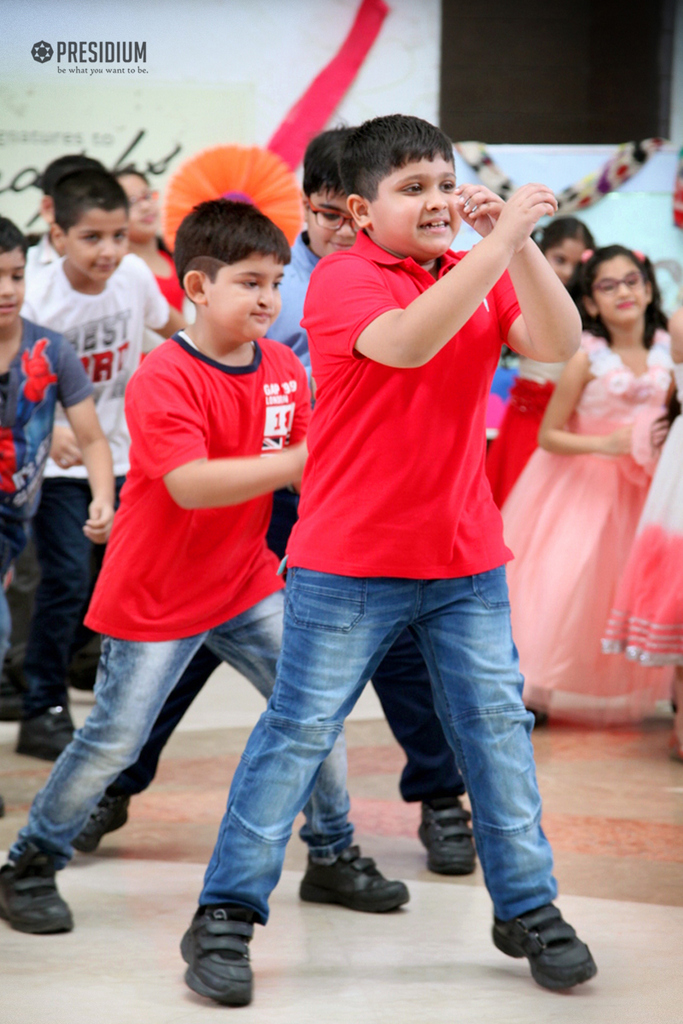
[[415, 212], [94, 247], [326, 235]]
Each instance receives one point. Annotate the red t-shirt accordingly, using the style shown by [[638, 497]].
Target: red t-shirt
[[169, 572], [395, 482], [170, 287]]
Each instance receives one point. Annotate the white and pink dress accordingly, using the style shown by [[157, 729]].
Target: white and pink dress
[[570, 521], [647, 617]]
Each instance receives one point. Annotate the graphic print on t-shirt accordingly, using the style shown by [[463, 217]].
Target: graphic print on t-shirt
[[103, 346], [280, 408]]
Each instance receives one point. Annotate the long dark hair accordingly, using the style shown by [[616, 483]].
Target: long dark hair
[[586, 274]]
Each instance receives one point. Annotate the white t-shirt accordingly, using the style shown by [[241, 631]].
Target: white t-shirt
[[40, 256], [107, 331]]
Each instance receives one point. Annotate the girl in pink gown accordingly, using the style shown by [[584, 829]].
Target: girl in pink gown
[[647, 618], [572, 516]]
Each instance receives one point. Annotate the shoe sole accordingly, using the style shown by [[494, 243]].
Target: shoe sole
[[239, 995], [40, 752], [314, 894], [581, 974], [53, 928]]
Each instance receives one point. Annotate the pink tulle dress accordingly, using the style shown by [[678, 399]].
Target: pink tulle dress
[[570, 521], [647, 618]]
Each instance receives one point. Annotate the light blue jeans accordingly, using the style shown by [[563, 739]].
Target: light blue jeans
[[133, 682], [337, 630]]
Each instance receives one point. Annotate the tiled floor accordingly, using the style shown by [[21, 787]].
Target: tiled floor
[[613, 811]]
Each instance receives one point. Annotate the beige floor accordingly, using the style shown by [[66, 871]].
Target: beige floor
[[613, 810]]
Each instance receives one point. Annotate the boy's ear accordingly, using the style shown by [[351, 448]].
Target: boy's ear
[[47, 209], [359, 209], [57, 238], [194, 283]]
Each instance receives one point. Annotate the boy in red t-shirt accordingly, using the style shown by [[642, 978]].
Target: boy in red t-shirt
[[398, 529], [218, 421]]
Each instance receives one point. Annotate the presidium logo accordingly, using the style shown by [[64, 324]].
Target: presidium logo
[[99, 52], [42, 52]]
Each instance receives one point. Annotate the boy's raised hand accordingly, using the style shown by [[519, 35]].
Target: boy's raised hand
[[522, 212], [479, 207], [100, 518]]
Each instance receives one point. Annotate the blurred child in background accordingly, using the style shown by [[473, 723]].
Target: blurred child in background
[[562, 241], [572, 515], [647, 619]]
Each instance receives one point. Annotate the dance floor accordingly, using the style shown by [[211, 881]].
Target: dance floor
[[613, 811]]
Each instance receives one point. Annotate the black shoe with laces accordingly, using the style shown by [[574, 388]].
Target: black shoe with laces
[[216, 950], [447, 837], [29, 899], [46, 735], [354, 882], [111, 813], [557, 957]]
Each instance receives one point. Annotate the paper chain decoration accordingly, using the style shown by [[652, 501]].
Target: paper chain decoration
[[627, 161]]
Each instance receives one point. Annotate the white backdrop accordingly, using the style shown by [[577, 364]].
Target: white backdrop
[[217, 71]]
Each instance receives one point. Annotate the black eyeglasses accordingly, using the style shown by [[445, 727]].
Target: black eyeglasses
[[332, 219]]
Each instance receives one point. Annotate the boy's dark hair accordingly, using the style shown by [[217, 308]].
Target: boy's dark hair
[[220, 232], [64, 165], [77, 193], [378, 147], [561, 228], [11, 237], [321, 162], [588, 271]]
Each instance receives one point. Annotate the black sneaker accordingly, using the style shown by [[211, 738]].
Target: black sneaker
[[354, 882], [47, 735], [28, 895], [216, 949], [2, 808], [111, 813], [557, 957], [447, 837], [10, 697]]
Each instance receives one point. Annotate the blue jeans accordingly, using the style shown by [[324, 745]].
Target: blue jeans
[[133, 681], [337, 630], [64, 554]]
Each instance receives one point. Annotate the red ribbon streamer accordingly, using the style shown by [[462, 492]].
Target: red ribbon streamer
[[310, 114]]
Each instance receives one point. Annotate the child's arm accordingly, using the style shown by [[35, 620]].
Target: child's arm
[[215, 483], [96, 458], [553, 435], [550, 326], [676, 332], [412, 336]]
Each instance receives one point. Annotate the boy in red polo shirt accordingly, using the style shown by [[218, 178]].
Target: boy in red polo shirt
[[398, 529]]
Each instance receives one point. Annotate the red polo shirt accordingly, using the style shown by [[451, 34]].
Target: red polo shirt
[[395, 482]]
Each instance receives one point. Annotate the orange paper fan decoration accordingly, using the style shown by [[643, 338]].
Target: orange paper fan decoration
[[245, 173]]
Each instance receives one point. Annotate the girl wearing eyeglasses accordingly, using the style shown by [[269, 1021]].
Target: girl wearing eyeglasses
[[572, 516]]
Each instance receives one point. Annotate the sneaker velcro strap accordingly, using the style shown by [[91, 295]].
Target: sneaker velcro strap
[[228, 927], [224, 943], [557, 931], [35, 883], [451, 813], [450, 831]]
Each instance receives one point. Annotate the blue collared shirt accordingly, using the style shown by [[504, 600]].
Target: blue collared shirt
[[287, 328]]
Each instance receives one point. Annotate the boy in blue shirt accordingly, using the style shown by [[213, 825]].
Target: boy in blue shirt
[[38, 368]]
